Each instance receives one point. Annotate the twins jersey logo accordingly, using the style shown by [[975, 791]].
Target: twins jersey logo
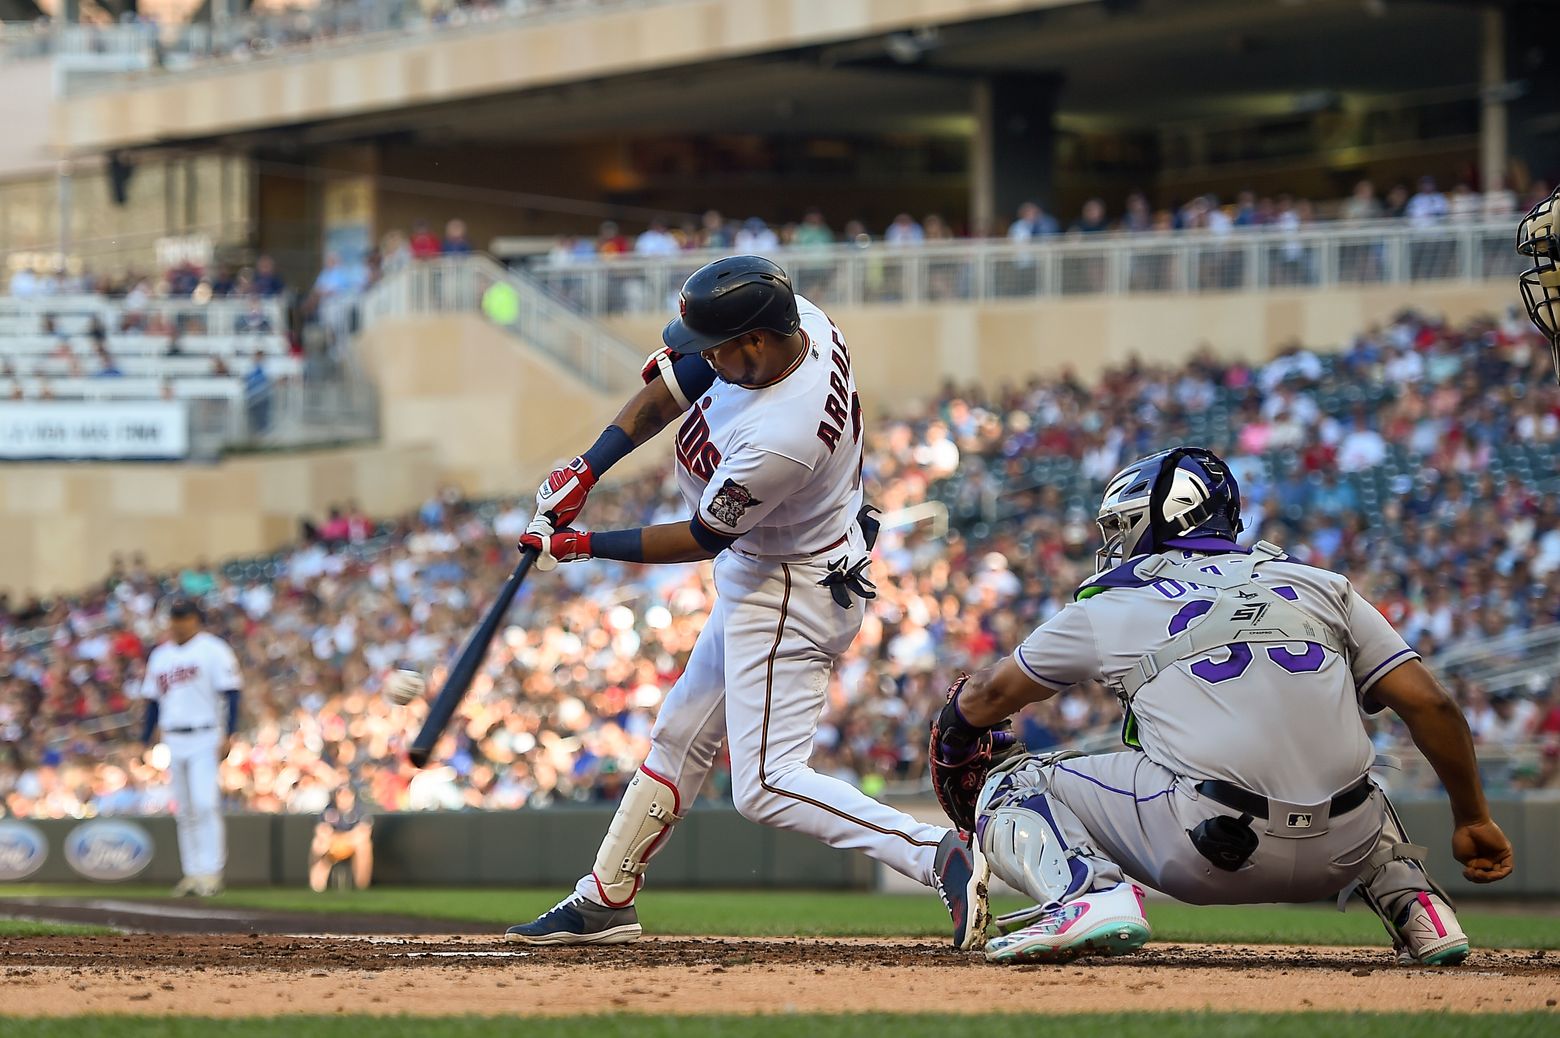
[[730, 501], [176, 676], [695, 452]]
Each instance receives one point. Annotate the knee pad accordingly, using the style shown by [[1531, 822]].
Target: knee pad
[[1022, 832], [648, 809]]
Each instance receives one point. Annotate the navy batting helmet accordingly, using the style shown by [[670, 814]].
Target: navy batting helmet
[[728, 298]]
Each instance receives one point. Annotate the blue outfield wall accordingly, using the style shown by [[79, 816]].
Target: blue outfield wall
[[713, 847]]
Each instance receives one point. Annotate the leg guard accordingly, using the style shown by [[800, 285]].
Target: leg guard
[[1032, 841], [1394, 874], [648, 809]]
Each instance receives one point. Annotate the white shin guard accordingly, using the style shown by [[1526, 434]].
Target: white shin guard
[[1020, 830], [648, 809]]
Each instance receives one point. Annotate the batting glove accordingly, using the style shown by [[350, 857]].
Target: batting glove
[[553, 547], [562, 494]]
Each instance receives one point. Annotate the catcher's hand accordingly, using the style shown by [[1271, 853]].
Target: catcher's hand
[[1484, 851], [962, 756]]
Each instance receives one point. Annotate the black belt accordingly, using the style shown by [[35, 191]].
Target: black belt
[[1256, 805], [187, 731]]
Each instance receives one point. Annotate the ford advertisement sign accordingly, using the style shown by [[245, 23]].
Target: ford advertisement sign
[[108, 849], [22, 850]]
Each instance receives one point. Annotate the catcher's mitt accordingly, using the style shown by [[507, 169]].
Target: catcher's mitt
[[962, 755]]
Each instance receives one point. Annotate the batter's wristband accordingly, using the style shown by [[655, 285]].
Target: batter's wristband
[[620, 545], [611, 447]]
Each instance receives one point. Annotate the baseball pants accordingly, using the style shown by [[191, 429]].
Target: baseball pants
[[1130, 817], [198, 819], [757, 677]]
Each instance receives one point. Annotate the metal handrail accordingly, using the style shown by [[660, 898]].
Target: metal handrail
[[459, 284], [1321, 256]]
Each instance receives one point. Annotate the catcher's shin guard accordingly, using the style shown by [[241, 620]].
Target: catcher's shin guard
[[1394, 873], [1031, 840], [648, 809]]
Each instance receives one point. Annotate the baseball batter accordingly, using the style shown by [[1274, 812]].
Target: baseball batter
[[1243, 676], [769, 462], [191, 691]]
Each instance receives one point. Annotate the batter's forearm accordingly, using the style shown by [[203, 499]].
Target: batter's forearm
[[662, 544], [649, 411]]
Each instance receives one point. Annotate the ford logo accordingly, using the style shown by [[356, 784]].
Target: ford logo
[[22, 850], [108, 849]]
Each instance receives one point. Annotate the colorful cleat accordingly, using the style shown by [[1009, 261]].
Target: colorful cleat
[[578, 920], [1431, 934], [1105, 922], [960, 875]]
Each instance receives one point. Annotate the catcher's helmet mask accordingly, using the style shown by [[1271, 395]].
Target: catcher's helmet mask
[[1178, 495], [728, 298], [1538, 236]]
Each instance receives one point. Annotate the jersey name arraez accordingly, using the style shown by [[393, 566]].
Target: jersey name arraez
[[188, 680], [779, 466]]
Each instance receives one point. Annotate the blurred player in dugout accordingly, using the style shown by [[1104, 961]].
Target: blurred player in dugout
[[343, 835]]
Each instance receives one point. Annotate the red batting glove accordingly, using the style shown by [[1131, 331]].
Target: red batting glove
[[563, 546], [562, 494], [652, 367]]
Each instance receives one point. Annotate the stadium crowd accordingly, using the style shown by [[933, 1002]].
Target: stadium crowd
[[1461, 547], [1423, 206]]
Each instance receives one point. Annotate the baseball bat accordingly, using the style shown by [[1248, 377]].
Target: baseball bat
[[465, 668]]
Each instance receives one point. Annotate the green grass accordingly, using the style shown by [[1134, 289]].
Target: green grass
[[28, 928], [1115, 1025], [822, 913]]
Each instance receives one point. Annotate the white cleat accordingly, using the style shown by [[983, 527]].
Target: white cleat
[[1431, 932], [186, 887], [1105, 922]]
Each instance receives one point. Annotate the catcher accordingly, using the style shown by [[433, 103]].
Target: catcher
[[344, 833], [1243, 677]]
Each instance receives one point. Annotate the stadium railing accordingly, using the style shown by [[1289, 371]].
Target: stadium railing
[[88, 51], [514, 302], [1323, 256]]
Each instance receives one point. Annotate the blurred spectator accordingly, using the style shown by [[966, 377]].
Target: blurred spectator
[[656, 240], [904, 231], [455, 240], [1092, 219], [813, 230], [253, 321], [1362, 204], [424, 243], [714, 232], [1033, 222], [610, 241], [1428, 207], [756, 238], [257, 395], [267, 282]]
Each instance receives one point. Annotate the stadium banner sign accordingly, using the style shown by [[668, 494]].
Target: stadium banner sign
[[109, 849], [23, 850], [93, 429]]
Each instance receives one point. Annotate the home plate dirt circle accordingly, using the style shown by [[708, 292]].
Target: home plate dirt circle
[[269, 974]]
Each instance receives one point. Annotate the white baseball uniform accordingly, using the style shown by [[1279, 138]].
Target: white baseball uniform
[[188, 682], [779, 468]]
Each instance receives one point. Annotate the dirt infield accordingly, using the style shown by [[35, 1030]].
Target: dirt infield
[[220, 961], [243, 975]]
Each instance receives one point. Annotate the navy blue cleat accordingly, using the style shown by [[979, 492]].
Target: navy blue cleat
[[578, 920], [960, 874]]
